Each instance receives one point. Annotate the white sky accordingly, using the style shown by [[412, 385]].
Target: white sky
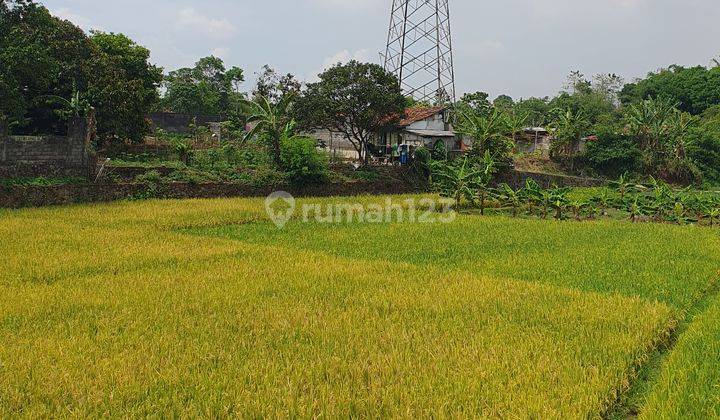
[[518, 47]]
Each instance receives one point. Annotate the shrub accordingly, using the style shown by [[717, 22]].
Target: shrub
[[302, 161], [613, 154], [151, 177], [705, 152]]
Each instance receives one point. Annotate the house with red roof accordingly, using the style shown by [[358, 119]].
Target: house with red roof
[[419, 126], [423, 127]]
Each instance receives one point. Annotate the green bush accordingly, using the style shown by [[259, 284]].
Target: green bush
[[151, 177], [613, 154], [303, 162], [365, 174], [705, 153]]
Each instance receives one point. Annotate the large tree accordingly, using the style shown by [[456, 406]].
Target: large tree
[[40, 57], [47, 63], [694, 89], [354, 99], [123, 87], [276, 88], [208, 88]]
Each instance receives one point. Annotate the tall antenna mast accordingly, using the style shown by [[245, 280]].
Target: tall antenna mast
[[419, 49]]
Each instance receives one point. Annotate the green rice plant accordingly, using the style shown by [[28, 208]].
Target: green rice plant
[[688, 385]]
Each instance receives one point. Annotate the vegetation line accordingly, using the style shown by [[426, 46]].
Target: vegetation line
[[629, 404]]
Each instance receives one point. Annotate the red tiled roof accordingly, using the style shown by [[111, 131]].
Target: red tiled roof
[[413, 115]]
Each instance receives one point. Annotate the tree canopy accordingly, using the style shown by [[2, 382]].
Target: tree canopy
[[354, 99], [45, 59], [694, 89], [208, 88]]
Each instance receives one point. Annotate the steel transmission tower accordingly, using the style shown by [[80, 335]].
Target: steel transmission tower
[[419, 49]]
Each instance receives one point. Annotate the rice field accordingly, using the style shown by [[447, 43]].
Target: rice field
[[205, 308]]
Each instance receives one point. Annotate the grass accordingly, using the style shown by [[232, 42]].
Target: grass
[[203, 308], [41, 181]]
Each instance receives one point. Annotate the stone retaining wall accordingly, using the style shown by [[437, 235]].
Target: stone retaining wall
[[37, 196], [516, 179]]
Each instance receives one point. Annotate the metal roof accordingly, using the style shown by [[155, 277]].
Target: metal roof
[[432, 133]]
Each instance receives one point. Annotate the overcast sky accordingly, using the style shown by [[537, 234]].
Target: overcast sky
[[518, 47]]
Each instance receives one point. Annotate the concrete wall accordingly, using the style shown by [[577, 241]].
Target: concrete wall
[[30, 156], [436, 123]]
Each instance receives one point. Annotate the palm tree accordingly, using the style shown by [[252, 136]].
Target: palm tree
[[270, 122]]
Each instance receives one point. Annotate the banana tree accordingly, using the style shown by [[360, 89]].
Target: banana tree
[[76, 106], [486, 170], [636, 208], [559, 201], [456, 181], [577, 207], [603, 201], [624, 186], [511, 198], [270, 122], [713, 214], [532, 193]]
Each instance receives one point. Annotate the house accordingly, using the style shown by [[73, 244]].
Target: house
[[427, 126], [533, 139]]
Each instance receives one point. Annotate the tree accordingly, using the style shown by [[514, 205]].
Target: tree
[[275, 87], [208, 88], [124, 86], [356, 100], [41, 56], [490, 133], [456, 181], [44, 57], [536, 109], [504, 102], [693, 89], [478, 101], [567, 130], [272, 123]]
